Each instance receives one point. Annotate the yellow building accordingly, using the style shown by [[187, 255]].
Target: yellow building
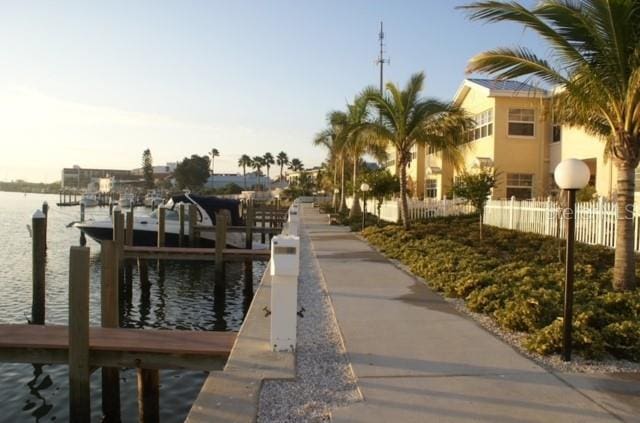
[[514, 133]]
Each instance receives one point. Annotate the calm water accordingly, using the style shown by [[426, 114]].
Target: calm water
[[182, 299]]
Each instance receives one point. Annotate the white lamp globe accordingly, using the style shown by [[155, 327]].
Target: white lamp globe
[[364, 187], [572, 174]]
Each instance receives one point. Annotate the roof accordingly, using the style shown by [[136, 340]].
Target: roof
[[496, 87]]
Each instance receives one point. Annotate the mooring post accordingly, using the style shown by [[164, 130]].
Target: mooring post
[[249, 228], [162, 216], [79, 392], [109, 319], [221, 244], [264, 225], [129, 233], [82, 206], [148, 395], [181, 225], [118, 238], [192, 225], [45, 210], [38, 234]]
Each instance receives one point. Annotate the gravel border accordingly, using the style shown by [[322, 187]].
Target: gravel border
[[553, 362], [324, 377]]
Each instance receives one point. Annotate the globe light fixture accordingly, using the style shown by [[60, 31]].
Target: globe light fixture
[[364, 187], [570, 175]]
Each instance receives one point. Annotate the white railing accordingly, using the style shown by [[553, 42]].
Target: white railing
[[595, 220]]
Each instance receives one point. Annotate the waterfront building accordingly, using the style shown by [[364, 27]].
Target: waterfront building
[[79, 178], [221, 180]]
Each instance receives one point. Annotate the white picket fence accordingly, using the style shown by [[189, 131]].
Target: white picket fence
[[595, 220], [418, 209]]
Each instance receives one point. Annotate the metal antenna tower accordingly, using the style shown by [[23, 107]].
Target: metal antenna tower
[[381, 59]]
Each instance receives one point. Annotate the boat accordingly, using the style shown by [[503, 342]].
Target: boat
[[127, 200], [153, 199], [145, 228], [89, 199]]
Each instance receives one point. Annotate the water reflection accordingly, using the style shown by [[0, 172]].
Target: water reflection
[[38, 407]]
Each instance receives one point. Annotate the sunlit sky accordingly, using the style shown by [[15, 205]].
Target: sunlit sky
[[95, 83]]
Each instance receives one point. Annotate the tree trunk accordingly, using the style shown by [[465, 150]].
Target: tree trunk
[[404, 209], [334, 199], [355, 207], [244, 176], [624, 270], [481, 214], [343, 201]]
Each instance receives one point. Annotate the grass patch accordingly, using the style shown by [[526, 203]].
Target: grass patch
[[517, 279]]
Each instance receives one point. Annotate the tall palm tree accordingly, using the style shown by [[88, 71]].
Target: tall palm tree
[[214, 153], [245, 161], [258, 163], [296, 165], [595, 47], [282, 160], [268, 161], [406, 119], [331, 139], [357, 143]]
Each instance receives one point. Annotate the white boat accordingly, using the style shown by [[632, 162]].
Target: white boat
[[145, 228], [89, 199], [153, 199], [127, 200]]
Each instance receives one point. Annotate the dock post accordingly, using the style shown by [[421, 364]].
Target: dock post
[[249, 221], [129, 233], [38, 225], [181, 225], [192, 225], [161, 225], [82, 206], [79, 392], [221, 244], [148, 395], [263, 220], [109, 319], [118, 237], [45, 210]]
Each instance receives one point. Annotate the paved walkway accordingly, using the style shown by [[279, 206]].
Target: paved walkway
[[418, 360]]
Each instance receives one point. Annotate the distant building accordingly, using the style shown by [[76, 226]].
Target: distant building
[[292, 176], [79, 178], [220, 180], [159, 172]]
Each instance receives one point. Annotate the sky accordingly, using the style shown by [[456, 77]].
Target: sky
[[95, 83]]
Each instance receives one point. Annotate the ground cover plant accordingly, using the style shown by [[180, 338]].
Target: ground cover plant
[[517, 279]]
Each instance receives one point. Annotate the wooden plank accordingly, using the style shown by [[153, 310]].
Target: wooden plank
[[240, 229], [55, 337], [206, 254]]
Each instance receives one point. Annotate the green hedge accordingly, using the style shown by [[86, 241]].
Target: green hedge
[[517, 278]]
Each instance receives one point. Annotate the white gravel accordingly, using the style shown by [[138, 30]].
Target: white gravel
[[324, 378]]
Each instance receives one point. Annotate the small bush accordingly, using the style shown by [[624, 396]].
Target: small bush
[[518, 279]]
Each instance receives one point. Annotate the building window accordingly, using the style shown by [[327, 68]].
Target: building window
[[520, 185], [521, 122], [431, 188], [432, 150], [484, 125]]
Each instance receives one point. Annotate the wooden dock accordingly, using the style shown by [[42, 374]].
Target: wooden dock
[[204, 254], [116, 347]]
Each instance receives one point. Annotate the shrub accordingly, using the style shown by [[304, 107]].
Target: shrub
[[518, 279]]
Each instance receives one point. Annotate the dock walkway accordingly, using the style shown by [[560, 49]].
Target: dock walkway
[[417, 359]]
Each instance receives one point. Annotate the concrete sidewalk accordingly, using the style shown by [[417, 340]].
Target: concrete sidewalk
[[418, 360]]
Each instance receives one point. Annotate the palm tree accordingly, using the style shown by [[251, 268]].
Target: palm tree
[[596, 65], [406, 119], [358, 142], [258, 162], [268, 161], [296, 165], [331, 138], [214, 153], [282, 160], [243, 162]]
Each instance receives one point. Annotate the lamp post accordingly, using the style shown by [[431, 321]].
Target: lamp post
[[570, 175], [364, 187]]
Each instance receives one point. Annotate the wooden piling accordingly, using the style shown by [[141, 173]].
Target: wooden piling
[[38, 233], [148, 395], [181, 225], [45, 210], [221, 244], [161, 226], [129, 231], [250, 218], [264, 224], [82, 207], [109, 319], [79, 392], [193, 221]]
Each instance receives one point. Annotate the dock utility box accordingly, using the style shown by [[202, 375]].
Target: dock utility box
[[285, 266]]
